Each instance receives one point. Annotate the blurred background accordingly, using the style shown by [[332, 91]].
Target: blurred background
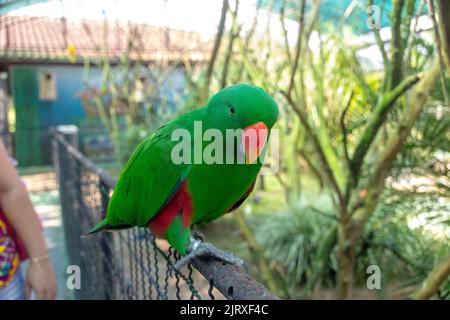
[[363, 90]]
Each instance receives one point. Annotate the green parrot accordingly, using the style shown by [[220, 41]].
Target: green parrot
[[158, 191]]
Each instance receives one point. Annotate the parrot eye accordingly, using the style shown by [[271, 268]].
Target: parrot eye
[[232, 110]]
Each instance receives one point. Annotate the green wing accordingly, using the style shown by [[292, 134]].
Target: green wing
[[149, 179]]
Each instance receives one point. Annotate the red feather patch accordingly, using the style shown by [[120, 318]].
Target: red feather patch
[[181, 203]]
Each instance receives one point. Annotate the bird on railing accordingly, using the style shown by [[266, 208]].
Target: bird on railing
[[195, 169]]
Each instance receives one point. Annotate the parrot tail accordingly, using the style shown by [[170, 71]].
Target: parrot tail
[[101, 226], [105, 226]]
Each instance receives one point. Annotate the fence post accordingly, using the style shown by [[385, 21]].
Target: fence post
[[66, 184], [70, 133]]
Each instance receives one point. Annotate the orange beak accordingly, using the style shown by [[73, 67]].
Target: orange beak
[[253, 141]]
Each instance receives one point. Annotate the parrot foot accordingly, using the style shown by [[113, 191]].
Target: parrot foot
[[198, 248]]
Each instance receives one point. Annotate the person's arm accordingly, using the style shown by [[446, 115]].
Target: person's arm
[[19, 211]]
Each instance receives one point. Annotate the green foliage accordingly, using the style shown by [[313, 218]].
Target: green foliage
[[330, 71], [292, 239], [407, 237]]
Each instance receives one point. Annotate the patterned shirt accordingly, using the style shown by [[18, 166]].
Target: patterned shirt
[[9, 256], [11, 252]]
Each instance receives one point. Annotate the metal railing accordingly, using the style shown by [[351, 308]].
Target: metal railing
[[130, 264]]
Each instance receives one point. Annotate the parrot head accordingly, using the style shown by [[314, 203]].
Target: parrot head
[[245, 107]]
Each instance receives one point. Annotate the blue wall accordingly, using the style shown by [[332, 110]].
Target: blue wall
[[34, 117], [67, 108]]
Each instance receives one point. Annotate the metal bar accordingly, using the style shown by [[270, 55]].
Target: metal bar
[[233, 282]]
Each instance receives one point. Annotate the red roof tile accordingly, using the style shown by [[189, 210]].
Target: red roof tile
[[41, 38]]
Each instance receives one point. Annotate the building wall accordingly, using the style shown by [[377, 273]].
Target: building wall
[[35, 116]]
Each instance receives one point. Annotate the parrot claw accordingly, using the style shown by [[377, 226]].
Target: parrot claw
[[198, 248]]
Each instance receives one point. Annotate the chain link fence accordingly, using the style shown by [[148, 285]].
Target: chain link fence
[[130, 264]]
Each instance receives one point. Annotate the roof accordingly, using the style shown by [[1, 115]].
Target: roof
[[58, 39]]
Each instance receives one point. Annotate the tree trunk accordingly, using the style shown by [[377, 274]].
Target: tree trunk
[[346, 261], [436, 277], [444, 27]]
